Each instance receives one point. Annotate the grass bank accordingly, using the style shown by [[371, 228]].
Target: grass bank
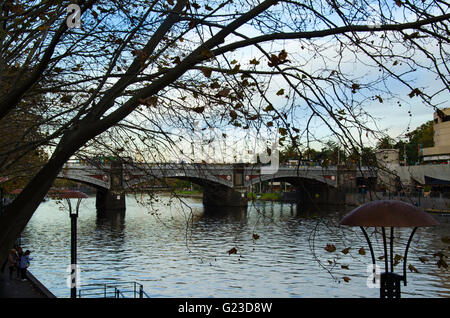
[[270, 196], [189, 193]]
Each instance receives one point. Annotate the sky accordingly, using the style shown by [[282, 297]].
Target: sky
[[389, 116]]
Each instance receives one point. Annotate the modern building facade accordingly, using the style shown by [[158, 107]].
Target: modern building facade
[[441, 150]]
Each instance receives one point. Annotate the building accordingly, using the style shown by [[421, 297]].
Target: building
[[440, 153], [388, 157], [388, 161]]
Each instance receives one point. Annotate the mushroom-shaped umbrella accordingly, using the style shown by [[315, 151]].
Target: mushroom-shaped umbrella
[[389, 213], [68, 194], [16, 191]]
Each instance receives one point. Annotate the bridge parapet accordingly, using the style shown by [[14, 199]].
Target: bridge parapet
[[224, 174], [200, 173], [89, 175], [324, 175]]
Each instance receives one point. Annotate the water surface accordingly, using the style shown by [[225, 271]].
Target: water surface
[[178, 249]]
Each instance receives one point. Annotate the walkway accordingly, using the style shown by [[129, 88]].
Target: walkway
[[16, 288]]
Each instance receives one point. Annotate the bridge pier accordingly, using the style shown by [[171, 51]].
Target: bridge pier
[[215, 195], [108, 201], [221, 196], [319, 194], [315, 193], [112, 200], [346, 179]]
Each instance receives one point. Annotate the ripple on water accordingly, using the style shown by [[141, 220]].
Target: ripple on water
[[172, 259]]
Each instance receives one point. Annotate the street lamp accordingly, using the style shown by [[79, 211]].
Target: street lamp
[[73, 213], [419, 192], [389, 213]]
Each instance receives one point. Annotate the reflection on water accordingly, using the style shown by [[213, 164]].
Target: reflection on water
[[180, 249]]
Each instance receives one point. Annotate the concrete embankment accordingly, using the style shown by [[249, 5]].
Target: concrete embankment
[[16, 288], [433, 204], [39, 286], [439, 204]]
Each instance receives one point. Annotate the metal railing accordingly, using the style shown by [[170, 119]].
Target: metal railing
[[113, 290]]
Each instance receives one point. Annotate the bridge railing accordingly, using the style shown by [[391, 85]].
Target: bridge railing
[[113, 290], [155, 166]]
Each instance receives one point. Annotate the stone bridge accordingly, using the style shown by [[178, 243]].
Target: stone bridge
[[224, 184]]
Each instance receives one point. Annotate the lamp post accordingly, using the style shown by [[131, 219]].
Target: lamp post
[[391, 214], [73, 213], [419, 192]]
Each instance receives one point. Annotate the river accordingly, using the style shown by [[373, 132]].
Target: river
[[178, 249]]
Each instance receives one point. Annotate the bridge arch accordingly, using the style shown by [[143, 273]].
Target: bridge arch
[[202, 180], [89, 183], [295, 180], [217, 190], [95, 180]]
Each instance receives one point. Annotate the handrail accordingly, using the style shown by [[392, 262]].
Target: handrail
[[115, 290]]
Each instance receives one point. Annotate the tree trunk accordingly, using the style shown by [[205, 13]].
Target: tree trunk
[[19, 212]]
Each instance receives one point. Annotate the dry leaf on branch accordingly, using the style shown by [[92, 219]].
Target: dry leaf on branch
[[412, 268], [232, 251], [345, 250]]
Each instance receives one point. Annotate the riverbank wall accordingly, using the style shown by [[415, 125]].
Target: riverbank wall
[[432, 204], [39, 286], [438, 203], [14, 287]]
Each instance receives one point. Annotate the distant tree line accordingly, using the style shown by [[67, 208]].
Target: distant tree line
[[332, 153]]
